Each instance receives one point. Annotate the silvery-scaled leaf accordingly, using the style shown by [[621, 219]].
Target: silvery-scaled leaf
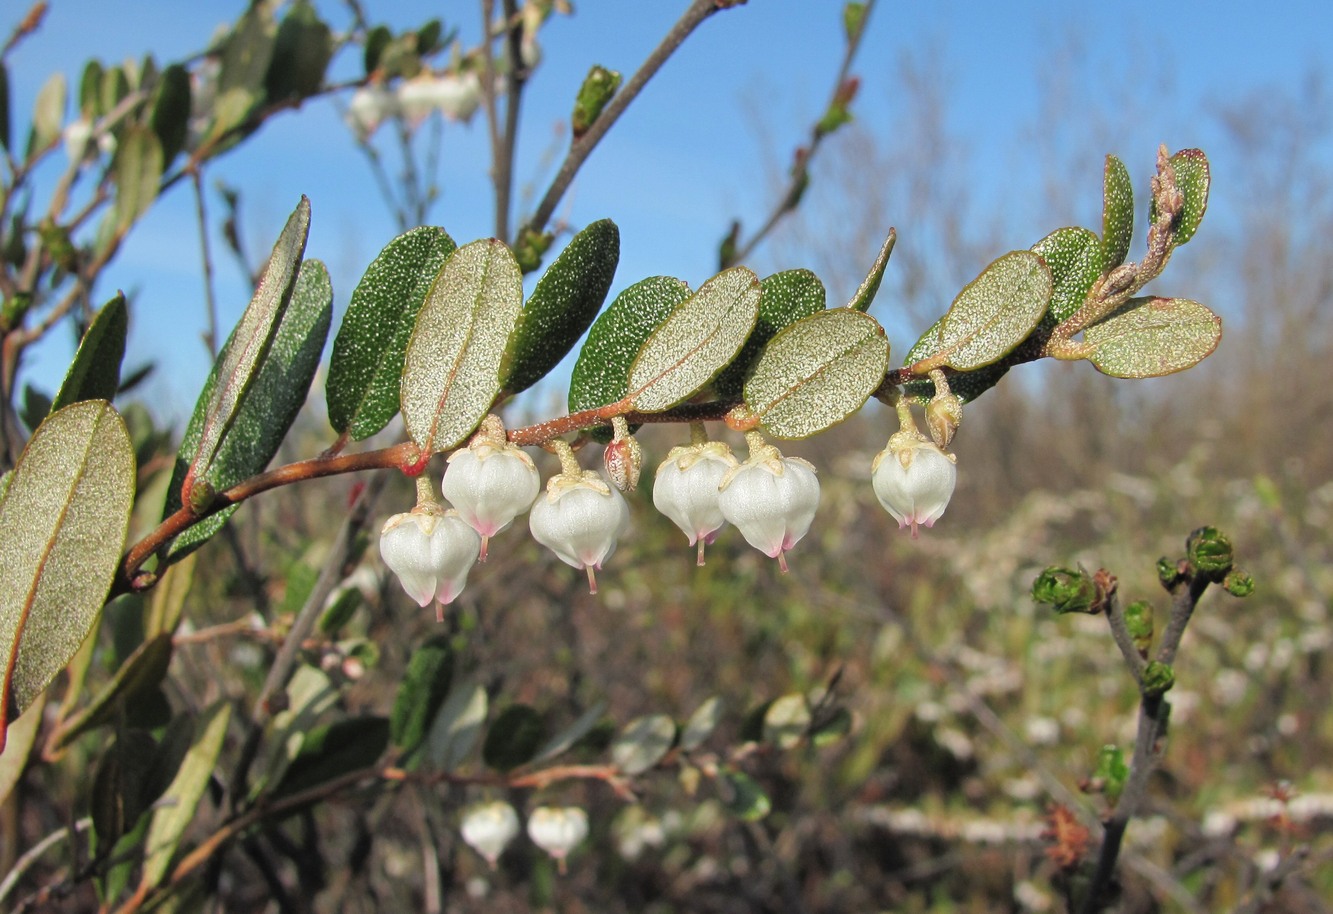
[[138, 167], [1117, 213], [786, 721], [786, 298], [643, 743], [1075, 258], [48, 114], [1193, 178], [996, 311], [457, 727], [1158, 337], [966, 387], [701, 724], [451, 374], [696, 341], [817, 372], [865, 293]]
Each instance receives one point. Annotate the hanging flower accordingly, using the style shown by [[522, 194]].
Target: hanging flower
[[490, 482], [558, 830], [686, 489], [914, 480], [770, 498], [370, 106], [580, 518], [488, 828], [432, 552]]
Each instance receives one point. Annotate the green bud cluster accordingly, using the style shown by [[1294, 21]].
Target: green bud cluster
[[1158, 678], [1067, 590], [1209, 553]]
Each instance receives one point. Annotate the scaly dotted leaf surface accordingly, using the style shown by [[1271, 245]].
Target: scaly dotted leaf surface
[[966, 387], [865, 293], [95, 372], [601, 373], [62, 527], [786, 298], [366, 367], [817, 372], [1159, 337], [697, 341], [996, 311], [563, 305], [1117, 213], [1074, 257], [451, 374], [1193, 177]]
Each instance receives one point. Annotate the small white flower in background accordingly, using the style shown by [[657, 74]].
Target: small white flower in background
[[432, 552], [490, 482], [76, 137], [456, 95], [580, 518], [770, 498], [370, 106], [488, 828], [914, 480], [686, 489], [558, 830]]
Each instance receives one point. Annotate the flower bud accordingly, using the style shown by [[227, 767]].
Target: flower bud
[[914, 480], [1158, 678], [490, 482], [1139, 624], [624, 462], [558, 830], [1209, 552], [686, 489], [580, 518], [488, 828], [771, 499], [1068, 590], [432, 553]]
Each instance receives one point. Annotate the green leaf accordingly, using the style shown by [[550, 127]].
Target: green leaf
[[14, 758], [269, 406], [95, 372], [514, 738], [171, 111], [366, 368], [451, 374], [967, 386], [90, 91], [62, 526], [832, 728], [701, 724], [48, 115], [566, 738], [335, 749], [181, 799], [422, 691], [1158, 337], [457, 727], [643, 743], [310, 694], [36, 406], [246, 349], [744, 798], [1193, 178], [696, 341], [138, 677], [301, 54], [123, 773], [601, 373], [996, 311], [340, 611], [246, 55], [787, 721], [563, 305], [817, 372], [167, 603], [4, 106], [865, 294], [1117, 213], [786, 298], [1074, 257]]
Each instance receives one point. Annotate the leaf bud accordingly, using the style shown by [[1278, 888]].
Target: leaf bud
[[488, 828], [1111, 772], [598, 88], [1158, 678], [1067, 590], [558, 830], [623, 457], [1238, 583], [1209, 553], [1139, 623], [944, 413], [1168, 572]]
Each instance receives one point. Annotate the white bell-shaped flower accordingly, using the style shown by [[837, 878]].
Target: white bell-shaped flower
[[558, 830], [369, 107], [580, 518], [488, 828], [914, 480], [686, 489], [771, 499], [432, 552], [490, 482]]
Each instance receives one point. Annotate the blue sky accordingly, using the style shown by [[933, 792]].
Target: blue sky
[[686, 158]]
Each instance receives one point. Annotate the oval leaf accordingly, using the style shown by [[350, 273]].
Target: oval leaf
[[21, 735], [513, 738], [139, 165], [95, 372], [701, 724], [967, 387], [563, 305], [743, 797], [1117, 213], [457, 727], [1074, 257], [576, 731], [865, 294], [249, 342], [48, 114], [786, 721], [366, 367], [171, 111], [62, 527], [643, 743], [996, 311], [1193, 178], [786, 298], [451, 374], [817, 372], [262, 417], [696, 341], [601, 374], [422, 691], [1159, 337]]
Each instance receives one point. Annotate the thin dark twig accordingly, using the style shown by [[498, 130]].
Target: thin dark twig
[[205, 254]]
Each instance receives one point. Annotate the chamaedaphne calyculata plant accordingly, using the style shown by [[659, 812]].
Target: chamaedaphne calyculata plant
[[437, 340]]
